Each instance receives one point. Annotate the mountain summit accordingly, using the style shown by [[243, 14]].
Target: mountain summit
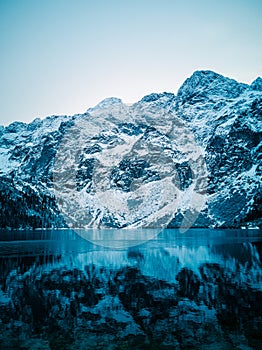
[[204, 84], [257, 84]]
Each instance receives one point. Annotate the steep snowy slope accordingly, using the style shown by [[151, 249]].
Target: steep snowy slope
[[226, 119], [158, 162]]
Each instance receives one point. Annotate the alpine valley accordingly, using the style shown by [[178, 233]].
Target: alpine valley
[[166, 160]]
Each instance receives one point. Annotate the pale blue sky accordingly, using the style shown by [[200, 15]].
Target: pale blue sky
[[63, 56]]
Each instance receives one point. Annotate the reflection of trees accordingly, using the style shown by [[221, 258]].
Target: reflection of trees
[[68, 306]]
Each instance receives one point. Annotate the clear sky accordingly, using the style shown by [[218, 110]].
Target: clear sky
[[63, 56]]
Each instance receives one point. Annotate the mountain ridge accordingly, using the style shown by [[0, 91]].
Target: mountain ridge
[[223, 116]]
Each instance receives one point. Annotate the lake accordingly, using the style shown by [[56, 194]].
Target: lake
[[156, 290]]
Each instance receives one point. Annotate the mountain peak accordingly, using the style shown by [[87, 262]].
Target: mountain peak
[[208, 83], [156, 96], [109, 101], [206, 74], [257, 84], [204, 78]]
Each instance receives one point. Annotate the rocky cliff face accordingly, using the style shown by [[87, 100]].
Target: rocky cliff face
[[188, 160]]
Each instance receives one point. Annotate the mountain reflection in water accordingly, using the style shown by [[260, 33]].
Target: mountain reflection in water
[[198, 290]]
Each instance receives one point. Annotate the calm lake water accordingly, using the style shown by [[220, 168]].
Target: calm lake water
[[197, 290]]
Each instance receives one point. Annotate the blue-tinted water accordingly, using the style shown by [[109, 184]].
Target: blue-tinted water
[[197, 290]]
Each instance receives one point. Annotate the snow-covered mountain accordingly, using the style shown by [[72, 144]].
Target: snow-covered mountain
[[193, 159]]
